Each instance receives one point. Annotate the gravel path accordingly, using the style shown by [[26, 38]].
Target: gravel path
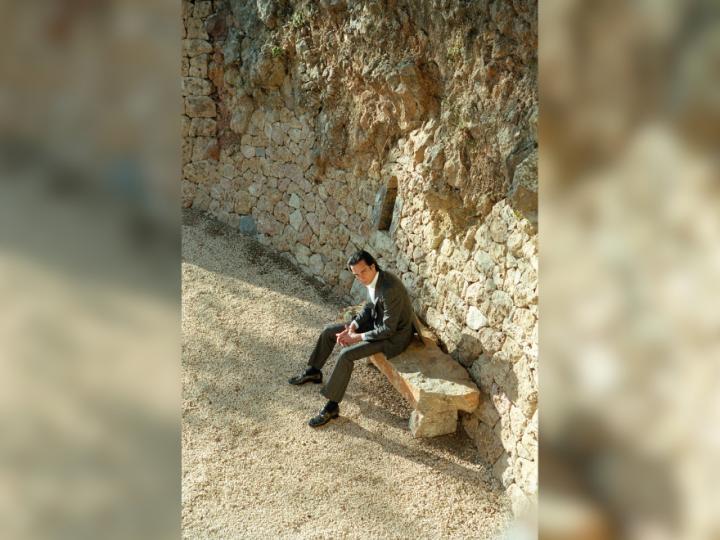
[[252, 468]]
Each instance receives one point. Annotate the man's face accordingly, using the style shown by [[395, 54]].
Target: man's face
[[364, 273]]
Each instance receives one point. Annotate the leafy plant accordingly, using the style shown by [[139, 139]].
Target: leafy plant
[[276, 51], [298, 20], [455, 48]]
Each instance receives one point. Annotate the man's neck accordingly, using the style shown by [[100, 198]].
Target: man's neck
[[373, 283]]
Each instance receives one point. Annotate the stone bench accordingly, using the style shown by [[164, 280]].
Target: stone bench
[[434, 384]]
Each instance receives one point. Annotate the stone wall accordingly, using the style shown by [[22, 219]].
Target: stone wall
[[405, 128]]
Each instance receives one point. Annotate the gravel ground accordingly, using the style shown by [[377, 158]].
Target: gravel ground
[[252, 468]]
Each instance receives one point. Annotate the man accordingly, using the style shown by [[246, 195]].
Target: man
[[385, 325]]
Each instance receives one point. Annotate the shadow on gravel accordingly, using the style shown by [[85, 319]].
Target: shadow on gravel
[[420, 456], [260, 255]]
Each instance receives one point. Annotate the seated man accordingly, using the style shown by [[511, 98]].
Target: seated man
[[385, 325]]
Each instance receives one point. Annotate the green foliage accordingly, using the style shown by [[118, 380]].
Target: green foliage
[[298, 20], [276, 51], [455, 48]]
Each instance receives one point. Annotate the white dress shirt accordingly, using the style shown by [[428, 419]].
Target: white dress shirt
[[371, 294]]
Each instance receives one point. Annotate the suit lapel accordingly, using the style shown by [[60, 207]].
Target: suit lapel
[[377, 295]]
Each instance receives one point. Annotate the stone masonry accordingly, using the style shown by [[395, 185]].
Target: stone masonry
[[298, 129]]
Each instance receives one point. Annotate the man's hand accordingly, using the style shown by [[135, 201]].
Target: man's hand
[[348, 336], [341, 336]]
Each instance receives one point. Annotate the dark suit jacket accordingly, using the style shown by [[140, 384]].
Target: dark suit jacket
[[390, 318]]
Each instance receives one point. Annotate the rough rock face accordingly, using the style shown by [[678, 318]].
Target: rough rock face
[[435, 385], [406, 128]]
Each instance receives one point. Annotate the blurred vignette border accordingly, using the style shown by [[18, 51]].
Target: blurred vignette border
[[630, 260], [89, 258], [89, 270]]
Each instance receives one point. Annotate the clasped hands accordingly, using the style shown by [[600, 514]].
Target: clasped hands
[[348, 336]]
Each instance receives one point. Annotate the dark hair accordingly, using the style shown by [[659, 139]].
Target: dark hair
[[362, 255]]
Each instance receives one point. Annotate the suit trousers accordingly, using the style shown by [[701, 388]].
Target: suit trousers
[[335, 388]]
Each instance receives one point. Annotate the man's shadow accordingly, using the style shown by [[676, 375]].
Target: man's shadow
[[419, 455]]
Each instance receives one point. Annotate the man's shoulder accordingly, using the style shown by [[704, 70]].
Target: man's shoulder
[[391, 281]]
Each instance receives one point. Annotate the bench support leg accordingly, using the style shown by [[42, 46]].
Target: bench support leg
[[433, 424]]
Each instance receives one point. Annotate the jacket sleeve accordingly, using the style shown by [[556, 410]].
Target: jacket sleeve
[[392, 311], [365, 316]]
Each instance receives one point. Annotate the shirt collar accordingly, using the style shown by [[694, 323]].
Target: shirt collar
[[374, 281]]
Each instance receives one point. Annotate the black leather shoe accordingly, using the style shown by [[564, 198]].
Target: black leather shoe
[[323, 417], [305, 377]]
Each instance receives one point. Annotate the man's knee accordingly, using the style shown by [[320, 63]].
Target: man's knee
[[329, 330], [345, 359]]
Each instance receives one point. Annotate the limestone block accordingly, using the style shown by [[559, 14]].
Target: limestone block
[[474, 294], [455, 308], [435, 319], [500, 306], [202, 9], [302, 254], [205, 148], [186, 9], [217, 192], [525, 473], [243, 202], [475, 319], [315, 262], [484, 262], [515, 242], [263, 206], [497, 251], [525, 294], [188, 191], [526, 388], [503, 471], [200, 107], [201, 200], [187, 150], [241, 115], [500, 401], [518, 421], [295, 201], [201, 172], [309, 204], [469, 347], [521, 324], [491, 340], [505, 432], [512, 349], [203, 127], [433, 424], [314, 223], [228, 171], [195, 29], [487, 413], [446, 247], [296, 220], [342, 214], [198, 66], [195, 47], [430, 379], [484, 438], [528, 445], [282, 212], [486, 370]]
